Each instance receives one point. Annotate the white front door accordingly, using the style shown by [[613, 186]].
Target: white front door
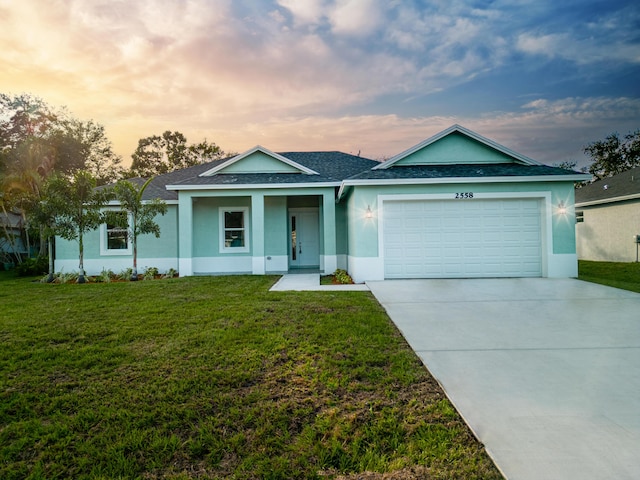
[[304, 238]]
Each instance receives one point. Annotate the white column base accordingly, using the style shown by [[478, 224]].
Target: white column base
[[364, 269], [329, 263], [257, 265], [562, 265]]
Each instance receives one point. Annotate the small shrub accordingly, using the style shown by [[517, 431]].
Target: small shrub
[[105, 276], [33, 266], [125, 274], [342, 277], [67, 277], [170, 273], [45, 279], [150, 273]]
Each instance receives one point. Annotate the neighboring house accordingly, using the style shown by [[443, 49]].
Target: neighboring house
[[608, 214], [11, 232], [455, 205]]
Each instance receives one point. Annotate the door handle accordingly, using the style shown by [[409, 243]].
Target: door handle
[[300, 245]]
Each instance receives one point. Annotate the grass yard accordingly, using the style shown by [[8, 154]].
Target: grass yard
[[619, 275], [215, 377]]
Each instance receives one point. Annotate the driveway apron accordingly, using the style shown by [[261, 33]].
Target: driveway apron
[[546, 372]]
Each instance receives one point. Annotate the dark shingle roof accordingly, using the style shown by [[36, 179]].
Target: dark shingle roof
[[398, 172], [157, 187], [332, 167], [620, 185]]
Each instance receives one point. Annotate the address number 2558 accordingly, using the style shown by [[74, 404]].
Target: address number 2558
[[463, 195]]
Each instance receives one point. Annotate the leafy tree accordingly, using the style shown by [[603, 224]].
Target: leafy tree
[[23, 116], [23, 181], [614, 154], [86, 143], [566, 164], [72, 144], [36, 141], [78, 208], [140, 214], [157, 155]]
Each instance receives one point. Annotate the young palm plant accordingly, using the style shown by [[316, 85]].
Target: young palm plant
[[140, 218]]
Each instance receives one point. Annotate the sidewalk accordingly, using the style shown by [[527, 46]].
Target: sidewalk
[[311, 281]]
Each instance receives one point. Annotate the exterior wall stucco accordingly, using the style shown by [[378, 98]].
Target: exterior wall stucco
[[607, 232], [206, 225], [152, 251]]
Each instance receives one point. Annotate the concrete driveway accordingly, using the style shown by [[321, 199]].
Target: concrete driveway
[[546, 372]]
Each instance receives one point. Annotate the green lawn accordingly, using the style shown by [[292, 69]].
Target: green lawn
[[619, 275], [215, 377]]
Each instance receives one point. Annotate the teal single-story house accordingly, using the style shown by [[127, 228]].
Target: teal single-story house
[[454, 206]]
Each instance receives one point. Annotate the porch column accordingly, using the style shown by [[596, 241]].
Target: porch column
[[257, 233], [185, 234], [329, 228]]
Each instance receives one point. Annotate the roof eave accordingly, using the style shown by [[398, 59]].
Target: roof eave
[[603, 201], [500, 179], [251, 186], [453, 180]]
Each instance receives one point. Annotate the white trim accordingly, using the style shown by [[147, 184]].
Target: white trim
[[94, 266], [563, 265], [609, 200], [464, 131], [250, 186], [185, 267], [452, 180], [107, 252], [220, 265], [257, 265], [276, 263], [546, 213], [363, 269], [221, 229], [251, 151], [328, 263]]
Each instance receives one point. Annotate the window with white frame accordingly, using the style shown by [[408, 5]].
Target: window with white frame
[[114, 239], [234, 230]]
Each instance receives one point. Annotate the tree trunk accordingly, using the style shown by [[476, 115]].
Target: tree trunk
[[50, 277], [81, 278], [43, 242], [134, 273]]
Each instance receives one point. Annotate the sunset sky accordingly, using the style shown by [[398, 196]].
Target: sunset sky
[[542, 77]]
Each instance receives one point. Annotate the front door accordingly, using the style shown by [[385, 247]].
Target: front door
[[304, 241]]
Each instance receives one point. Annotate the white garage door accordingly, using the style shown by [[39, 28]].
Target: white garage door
[[462, 238]]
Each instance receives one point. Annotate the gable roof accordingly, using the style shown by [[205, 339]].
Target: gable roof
[[330, 169], [337, 169], [620, 187], [226, 164], [458, 129]]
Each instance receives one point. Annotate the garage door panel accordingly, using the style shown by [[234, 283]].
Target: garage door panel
[[475, 238]]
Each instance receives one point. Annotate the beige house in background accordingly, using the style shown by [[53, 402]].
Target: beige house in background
[[608, 218]]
